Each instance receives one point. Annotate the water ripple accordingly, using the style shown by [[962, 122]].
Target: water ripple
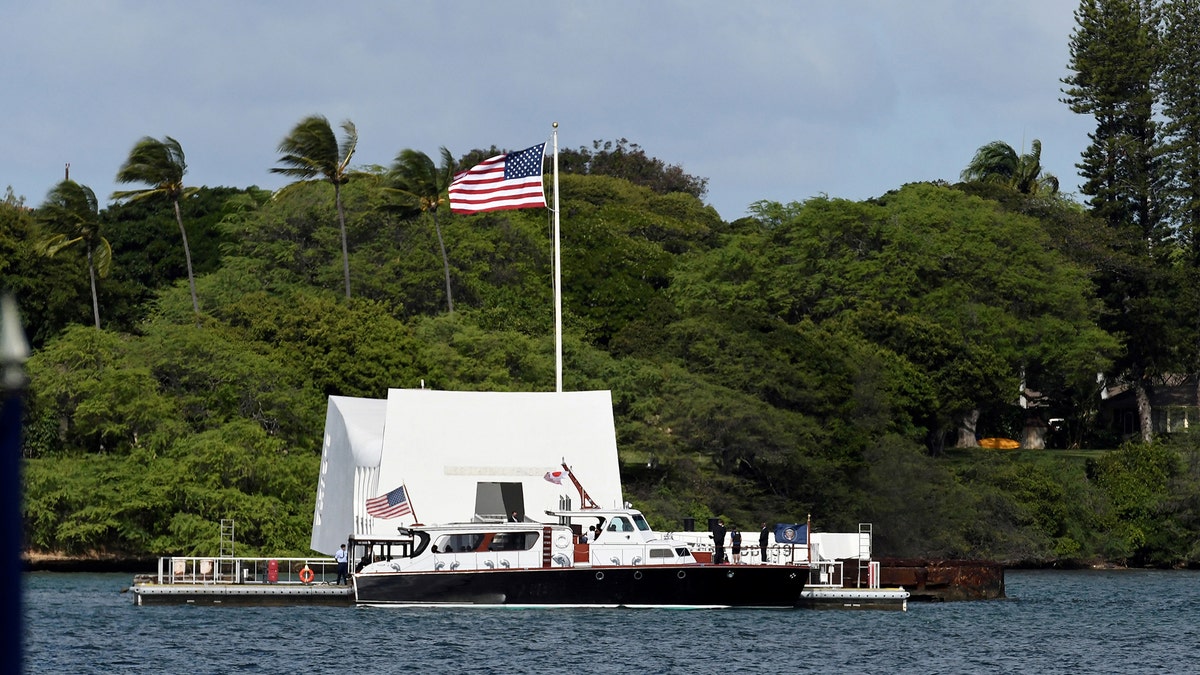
[[1053, 622]]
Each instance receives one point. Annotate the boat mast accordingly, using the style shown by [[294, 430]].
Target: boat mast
[[585, 500]]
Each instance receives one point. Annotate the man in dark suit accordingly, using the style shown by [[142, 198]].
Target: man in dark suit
[[763, 538], [718, 535]]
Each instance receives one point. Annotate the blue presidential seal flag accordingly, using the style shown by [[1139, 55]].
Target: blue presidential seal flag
[[791, 534]]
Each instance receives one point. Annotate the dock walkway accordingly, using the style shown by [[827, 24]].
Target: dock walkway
[[242, 581]]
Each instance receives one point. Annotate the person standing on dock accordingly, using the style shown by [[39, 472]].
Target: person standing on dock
[[718, 535], [340, 557], [763, 537]]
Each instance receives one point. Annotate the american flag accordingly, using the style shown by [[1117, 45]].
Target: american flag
[[508, 181], [392, 505]]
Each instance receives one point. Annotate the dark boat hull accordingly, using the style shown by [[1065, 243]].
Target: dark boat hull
[[626, 586]]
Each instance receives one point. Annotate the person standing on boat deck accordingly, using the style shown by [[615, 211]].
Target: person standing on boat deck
[[735, 543], [718, 535], [762, 542], [340, 557], [513, 518]]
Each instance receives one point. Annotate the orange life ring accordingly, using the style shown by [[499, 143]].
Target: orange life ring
[[306, 575]]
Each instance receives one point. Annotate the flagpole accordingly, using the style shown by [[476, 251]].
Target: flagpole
[[557, 277], [408, 496]]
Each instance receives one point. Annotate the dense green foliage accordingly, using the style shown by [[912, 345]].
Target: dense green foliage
[[797, 362], [822, 357]]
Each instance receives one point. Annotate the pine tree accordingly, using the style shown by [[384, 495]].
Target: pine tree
[[1180, 101], [1114, 56], [1180, 96], [1115, 52]]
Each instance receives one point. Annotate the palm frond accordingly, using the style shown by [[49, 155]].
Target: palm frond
[[158, 164], [102, 256], [136, 195], [72, 214], [414, 173], [71, 204], [54, 243], [347, 146], [309, 150], [996, 161]]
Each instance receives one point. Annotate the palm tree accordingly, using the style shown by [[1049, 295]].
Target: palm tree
[[997, 162], [423, 185], [71, 210], [311, 150], [160, 164]]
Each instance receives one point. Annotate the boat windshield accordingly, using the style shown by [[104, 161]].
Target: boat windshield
[[640, 521], [619, 524]]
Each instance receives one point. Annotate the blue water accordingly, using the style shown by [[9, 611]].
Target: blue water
[[1052, 622]]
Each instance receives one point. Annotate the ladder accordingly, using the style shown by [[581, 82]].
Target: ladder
[[226, 537], [226, 564], [864, 551]]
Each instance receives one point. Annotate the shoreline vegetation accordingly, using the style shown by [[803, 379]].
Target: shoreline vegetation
[[33, 561]]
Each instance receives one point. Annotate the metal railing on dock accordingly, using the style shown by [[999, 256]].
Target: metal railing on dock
[[227, 570], [832, 574]]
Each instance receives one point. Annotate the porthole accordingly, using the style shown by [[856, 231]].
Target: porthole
[[599, 576], [637, 574], [681, 574]]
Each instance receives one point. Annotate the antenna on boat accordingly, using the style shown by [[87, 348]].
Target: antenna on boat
[[585, 500]]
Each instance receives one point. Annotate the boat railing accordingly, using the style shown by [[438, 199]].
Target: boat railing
[[229, 570], [777, 554], [832, 574]]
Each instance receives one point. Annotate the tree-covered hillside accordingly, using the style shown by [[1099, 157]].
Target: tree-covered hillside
[[819, 357]]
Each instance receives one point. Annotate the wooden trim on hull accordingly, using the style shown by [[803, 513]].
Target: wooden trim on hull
[[624, 586]]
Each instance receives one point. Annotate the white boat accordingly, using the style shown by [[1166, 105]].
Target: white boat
[[532, 564], [550, 564]]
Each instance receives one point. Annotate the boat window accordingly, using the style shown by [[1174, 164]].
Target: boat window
[[463, 543], [640, 521], [683, 552], [512, 541], [661, 553], [620, 524]]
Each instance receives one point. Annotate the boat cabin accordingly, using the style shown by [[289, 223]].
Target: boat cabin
[[625, 539]]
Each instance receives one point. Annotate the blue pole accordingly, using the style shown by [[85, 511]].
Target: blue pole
[[13, 352]]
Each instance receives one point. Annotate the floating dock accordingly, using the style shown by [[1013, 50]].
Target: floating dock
[[242, 581], [854, 598], [256, 594]]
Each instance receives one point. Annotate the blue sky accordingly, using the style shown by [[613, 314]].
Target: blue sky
[[778, 100]]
